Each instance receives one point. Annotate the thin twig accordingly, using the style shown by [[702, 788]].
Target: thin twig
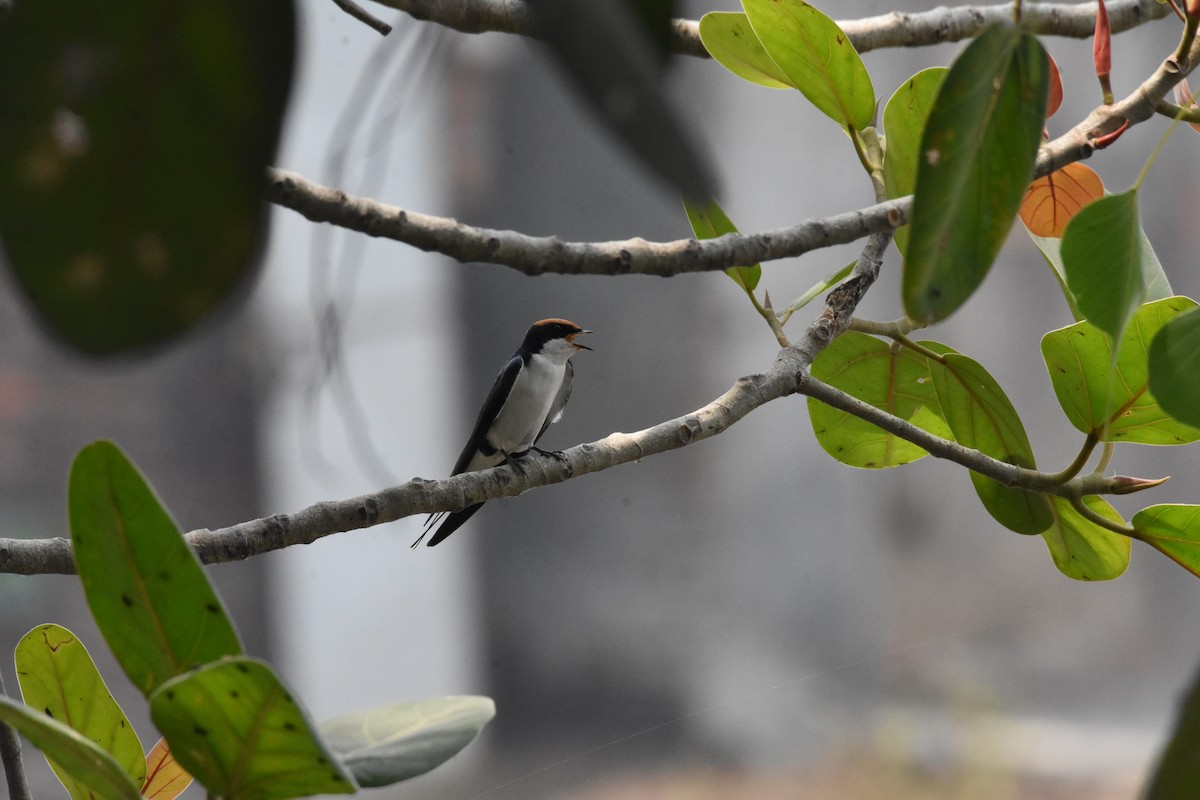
[[362, 15], [788, 375], [937, 26], [535, 255], [10, 756]]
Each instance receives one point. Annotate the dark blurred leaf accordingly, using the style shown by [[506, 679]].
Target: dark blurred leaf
[[132, 156], [1178, 771], [654, 18], [613, 63]]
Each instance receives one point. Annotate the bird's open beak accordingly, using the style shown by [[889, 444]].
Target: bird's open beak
[[571, 339]]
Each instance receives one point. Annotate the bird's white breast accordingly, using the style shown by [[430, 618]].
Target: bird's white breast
[[528, 404]]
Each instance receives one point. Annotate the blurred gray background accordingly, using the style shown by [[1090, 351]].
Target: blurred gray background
[[740, 618]]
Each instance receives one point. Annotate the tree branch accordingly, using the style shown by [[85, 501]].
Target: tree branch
[[10, 757], [788, 375], [888, 30], [362, 15], [1080, 142], [535, 255]]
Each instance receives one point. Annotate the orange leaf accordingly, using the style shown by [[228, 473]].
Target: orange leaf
[[1050, 202], [165, 779], [1055, 98]]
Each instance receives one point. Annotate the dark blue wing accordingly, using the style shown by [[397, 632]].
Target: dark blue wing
[[491, 408]]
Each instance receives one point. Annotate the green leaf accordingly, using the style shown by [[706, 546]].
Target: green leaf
[[904, 119], [976, 159], [1051, 250], [236, 727], [1174, 531], [144, 585], [386, 745], [1082, 549], [1154, 278], [57, 675], [1115, 404], [817, 58], [729, 39], [820, 287], [75, 754], [709, 222], [893, 379], [981, 417], [132, 155], [1101, 253], [1174, 365]]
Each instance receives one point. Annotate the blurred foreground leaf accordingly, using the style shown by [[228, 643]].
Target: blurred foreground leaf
[[132, 154], [386, 745], [605, 49]]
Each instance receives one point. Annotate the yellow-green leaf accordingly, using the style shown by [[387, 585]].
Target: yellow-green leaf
[[893, 379], [817, 58], [58, 677], [729, 39], [1110, 397], [1081, 549], [238, 729]]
